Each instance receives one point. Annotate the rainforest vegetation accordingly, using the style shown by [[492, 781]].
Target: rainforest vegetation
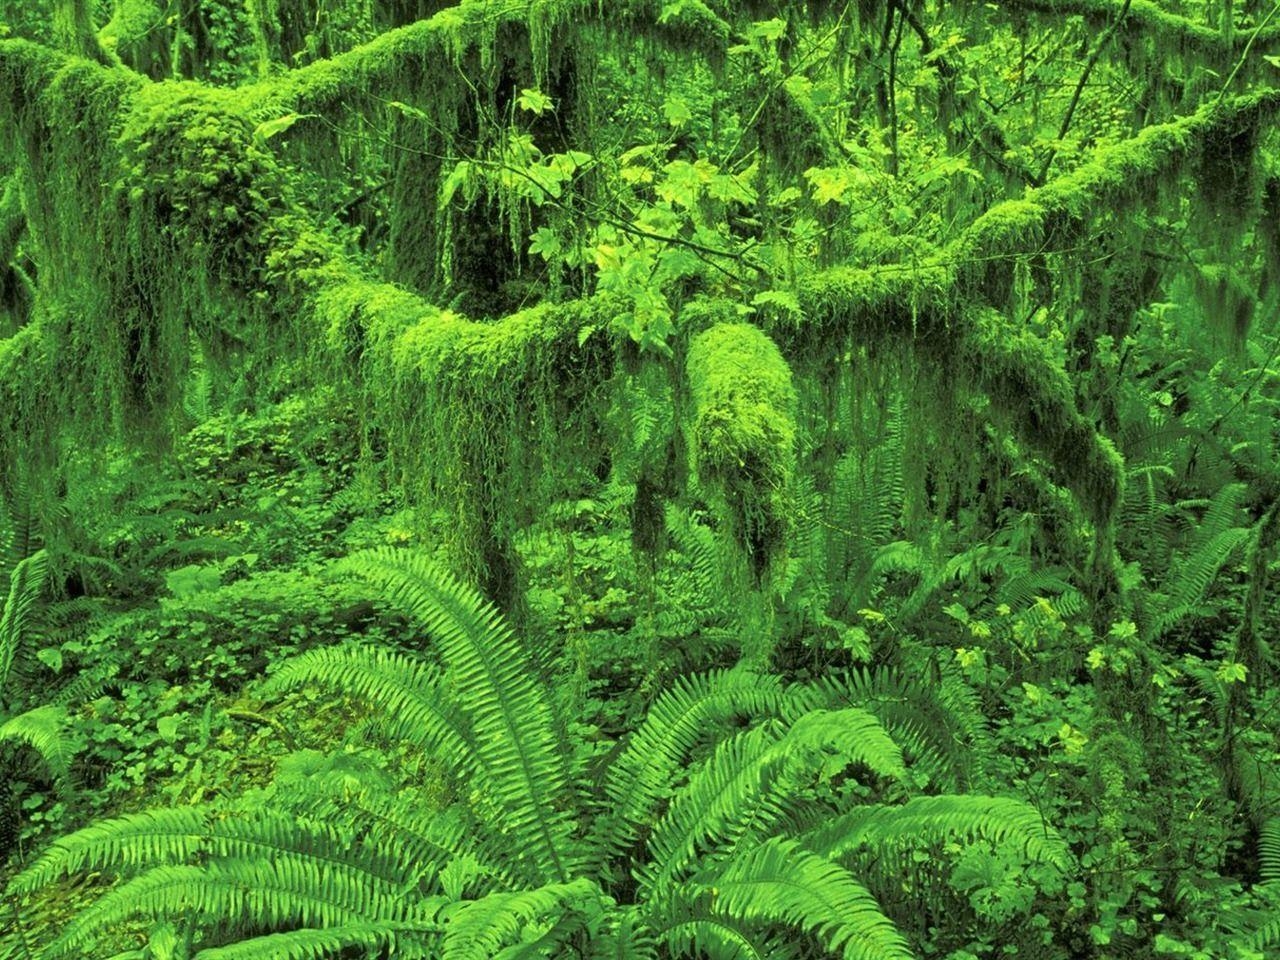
[[762, 479]]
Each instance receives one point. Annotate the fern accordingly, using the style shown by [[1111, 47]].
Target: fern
[[240, 894], [655, 754], [24, 586], [782, 882], [43, 729], [493, 679], [752, 782], [935, 724], [415, 707], [474, 930], [931, 821], [377, 939], [712, 810], [1269, 849]]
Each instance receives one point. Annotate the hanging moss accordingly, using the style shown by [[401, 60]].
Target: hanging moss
[[138, 34], [16, 295], [1142, 18], [1029, 387], [475, 25], [742, 435]]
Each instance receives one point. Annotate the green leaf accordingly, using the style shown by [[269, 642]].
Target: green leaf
[[778, 298], [545, 242], [676, 109], [270, 128], [535, 101], [168, 727], [774, 29]]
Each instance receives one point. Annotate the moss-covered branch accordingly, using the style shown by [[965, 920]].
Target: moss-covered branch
[[1146, 17], [931, 305], [442, 40]]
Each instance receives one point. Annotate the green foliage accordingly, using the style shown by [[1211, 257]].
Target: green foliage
[[717, 855], [918, 358]]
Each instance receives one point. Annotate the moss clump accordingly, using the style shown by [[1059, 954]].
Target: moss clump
[[742, 435]]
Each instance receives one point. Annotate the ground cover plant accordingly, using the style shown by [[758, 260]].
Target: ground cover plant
[[546, 478]]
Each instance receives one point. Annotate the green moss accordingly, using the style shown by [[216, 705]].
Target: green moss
[[742, 435]]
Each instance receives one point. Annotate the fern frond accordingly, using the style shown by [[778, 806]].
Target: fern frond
[[901, 556], [782, 882], [18, 535], [1194, 574], [377, 939], [717, 938], [165, 837], [755, 780], [932, 725], [655, 754], [495, 684], [25, 583], [630, 939], [853, 734], [1269, 849], [1267, 934], [410, 697], [406, 833], [43, 729], [476, 929], [246, 894], [135, 840], [927, 821], [728, 793]]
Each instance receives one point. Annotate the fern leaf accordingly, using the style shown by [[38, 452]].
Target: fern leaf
[[511, 713], [729, 792], [314, 944], [44, 730], [167, 837], [1269, 849], [630, 939], [1194, 575], [782, 882], [934, 726], [409, 694], [25, 584], [285, 891], [717, 938], [853, 734], [928, 821], [474, 930], [644, 772], [131, 841]]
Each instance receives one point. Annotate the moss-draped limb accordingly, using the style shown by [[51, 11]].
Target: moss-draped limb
[[1029, 387], [480, 418], [199, 237], [1119, 175], [1146, 17], [474, 24], [983, 352], [742, 435]]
